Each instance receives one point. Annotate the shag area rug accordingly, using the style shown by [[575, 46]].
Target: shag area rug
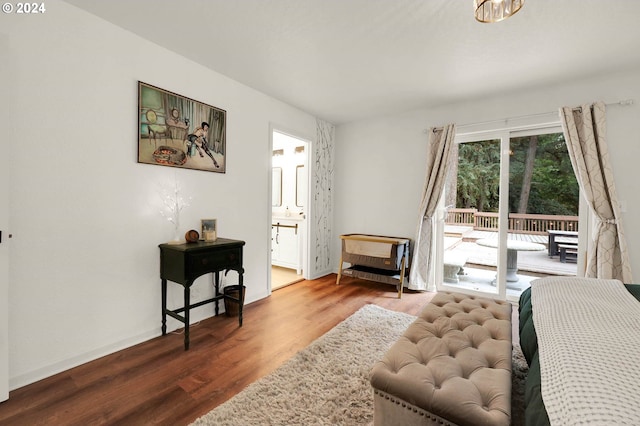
[[327, 383]]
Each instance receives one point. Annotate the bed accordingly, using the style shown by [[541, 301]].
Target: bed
[[606, 316], [375, 258]]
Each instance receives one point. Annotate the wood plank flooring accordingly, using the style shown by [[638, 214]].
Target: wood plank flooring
[[158, 383]]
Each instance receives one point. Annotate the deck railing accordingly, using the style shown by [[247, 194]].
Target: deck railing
[[537, 224]]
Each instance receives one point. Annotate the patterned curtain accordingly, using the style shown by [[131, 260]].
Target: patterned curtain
[[585, 132], [440, 148]]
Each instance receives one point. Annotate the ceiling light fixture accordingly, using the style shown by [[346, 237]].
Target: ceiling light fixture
[[495, 10]]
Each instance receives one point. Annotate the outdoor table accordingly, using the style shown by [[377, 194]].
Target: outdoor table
[[513, 247]]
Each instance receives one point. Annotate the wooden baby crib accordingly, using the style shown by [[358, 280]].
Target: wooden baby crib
[[375, 258]]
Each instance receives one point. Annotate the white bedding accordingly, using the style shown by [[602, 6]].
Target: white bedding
[[589, 344]]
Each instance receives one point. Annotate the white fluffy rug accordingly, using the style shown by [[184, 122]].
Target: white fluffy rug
[[326, 383]]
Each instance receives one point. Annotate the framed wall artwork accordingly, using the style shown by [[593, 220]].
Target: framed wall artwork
[[176, 131], [209, 228]]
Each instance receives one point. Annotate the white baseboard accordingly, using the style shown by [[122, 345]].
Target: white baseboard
[[320, 274], [69, 363]]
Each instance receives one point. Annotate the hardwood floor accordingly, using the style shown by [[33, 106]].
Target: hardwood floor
[[157, 382]]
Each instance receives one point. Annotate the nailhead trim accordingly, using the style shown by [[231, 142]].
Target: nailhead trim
[[415, 410]]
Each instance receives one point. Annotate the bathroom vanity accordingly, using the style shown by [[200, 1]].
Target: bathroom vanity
[[286, 242]]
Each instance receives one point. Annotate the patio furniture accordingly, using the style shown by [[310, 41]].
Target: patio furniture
[[553, 239], [568, 252], [513, 247], [453, 266]]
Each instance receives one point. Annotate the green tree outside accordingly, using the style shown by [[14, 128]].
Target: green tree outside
[[552, 188]]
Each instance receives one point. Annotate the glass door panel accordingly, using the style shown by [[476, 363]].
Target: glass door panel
[[510, 213], [544, 199], [470, 249]]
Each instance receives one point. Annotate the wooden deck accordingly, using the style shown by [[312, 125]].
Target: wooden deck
[[461, 240], [467, 233]]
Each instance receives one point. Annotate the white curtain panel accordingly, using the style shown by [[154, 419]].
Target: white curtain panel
[[585, 132], [441, 141]]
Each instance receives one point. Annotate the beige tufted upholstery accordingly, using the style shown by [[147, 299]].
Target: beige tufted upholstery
[[452, 364]]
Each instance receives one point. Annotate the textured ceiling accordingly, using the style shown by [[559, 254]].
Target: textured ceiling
[[344, 60]]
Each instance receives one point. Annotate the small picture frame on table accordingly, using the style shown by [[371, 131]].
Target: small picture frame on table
[[209, 230]]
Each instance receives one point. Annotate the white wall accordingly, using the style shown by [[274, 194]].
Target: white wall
[[84, 267], [379, 163]]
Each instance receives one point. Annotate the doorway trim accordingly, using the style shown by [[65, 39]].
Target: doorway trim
[[308, 208]]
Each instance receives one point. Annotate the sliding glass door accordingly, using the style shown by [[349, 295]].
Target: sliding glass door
[[510, 213]]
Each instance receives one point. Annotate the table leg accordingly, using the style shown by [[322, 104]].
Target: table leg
[[512, 266], [216, 281], [187, 307], [401, 285], [164, 307], [240, 296], [553, 250]]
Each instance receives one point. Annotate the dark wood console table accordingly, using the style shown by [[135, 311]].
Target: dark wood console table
[[183, 263]]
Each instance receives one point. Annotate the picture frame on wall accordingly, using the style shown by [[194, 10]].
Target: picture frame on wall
[[177, 131], [209, 229]]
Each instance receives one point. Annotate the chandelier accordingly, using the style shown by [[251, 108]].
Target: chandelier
[[495, 10]]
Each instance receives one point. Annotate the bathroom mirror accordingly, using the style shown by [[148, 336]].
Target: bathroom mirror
[[276, 187], [300, 186]]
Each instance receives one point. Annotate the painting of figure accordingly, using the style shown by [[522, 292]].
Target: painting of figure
[[177, 131]]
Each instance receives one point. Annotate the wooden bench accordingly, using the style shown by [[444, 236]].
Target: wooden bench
[[568, 252], [554, 236]]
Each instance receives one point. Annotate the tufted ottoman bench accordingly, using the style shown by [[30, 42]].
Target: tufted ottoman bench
[[452, 366]]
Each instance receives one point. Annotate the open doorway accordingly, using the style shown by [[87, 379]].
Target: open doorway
[[289, 207]]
